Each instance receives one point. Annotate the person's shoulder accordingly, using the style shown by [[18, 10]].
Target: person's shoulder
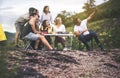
[[32, 21], [49, 14], [62, 25], [54, 26], [19, 19], [42, 13], [76, 26], [24, 15], [84, 19]]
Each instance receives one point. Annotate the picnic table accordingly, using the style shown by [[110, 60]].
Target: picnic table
[[63, 35]]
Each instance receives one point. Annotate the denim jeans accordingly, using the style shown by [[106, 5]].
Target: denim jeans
[[86, 38]]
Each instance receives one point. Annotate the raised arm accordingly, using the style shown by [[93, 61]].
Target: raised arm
[[91, 15]]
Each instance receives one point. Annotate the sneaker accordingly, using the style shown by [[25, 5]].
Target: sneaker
[[55, 48], [65, 49], [101, 47]]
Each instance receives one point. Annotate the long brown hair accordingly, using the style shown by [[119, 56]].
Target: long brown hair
[[44, 24], [45, 8]]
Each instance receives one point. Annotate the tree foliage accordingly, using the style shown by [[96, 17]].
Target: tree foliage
[[89, 5], [66, 18]]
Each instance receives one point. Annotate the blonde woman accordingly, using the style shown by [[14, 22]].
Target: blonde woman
[[59, 28]]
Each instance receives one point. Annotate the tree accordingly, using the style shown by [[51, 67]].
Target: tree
[[64, 15], [89, 5], [91, 2]]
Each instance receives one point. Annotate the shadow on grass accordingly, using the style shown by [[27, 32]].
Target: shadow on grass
[[4, 71], [28, 72], [45, 59], [51, 59]]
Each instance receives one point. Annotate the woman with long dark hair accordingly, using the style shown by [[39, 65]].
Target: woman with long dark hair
[[45, 29], [46, 15]]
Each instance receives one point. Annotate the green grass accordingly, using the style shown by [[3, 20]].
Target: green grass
[[106, 31], [4, 71]]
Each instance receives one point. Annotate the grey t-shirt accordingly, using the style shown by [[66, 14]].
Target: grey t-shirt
[[22, 19]]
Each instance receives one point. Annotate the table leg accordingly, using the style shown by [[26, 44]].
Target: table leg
[[71, 43]]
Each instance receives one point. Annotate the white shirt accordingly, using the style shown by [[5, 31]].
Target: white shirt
[[61, 28], [82, 27], [47, 16]]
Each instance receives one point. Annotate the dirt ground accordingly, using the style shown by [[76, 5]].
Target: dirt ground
[[65, 64]]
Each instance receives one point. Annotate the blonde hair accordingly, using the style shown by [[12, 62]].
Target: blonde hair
[[58, 19]]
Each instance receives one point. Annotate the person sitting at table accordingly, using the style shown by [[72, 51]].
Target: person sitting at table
[[59, 28], [83, 33], [46, 29], [30, 32], [40, 46]]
